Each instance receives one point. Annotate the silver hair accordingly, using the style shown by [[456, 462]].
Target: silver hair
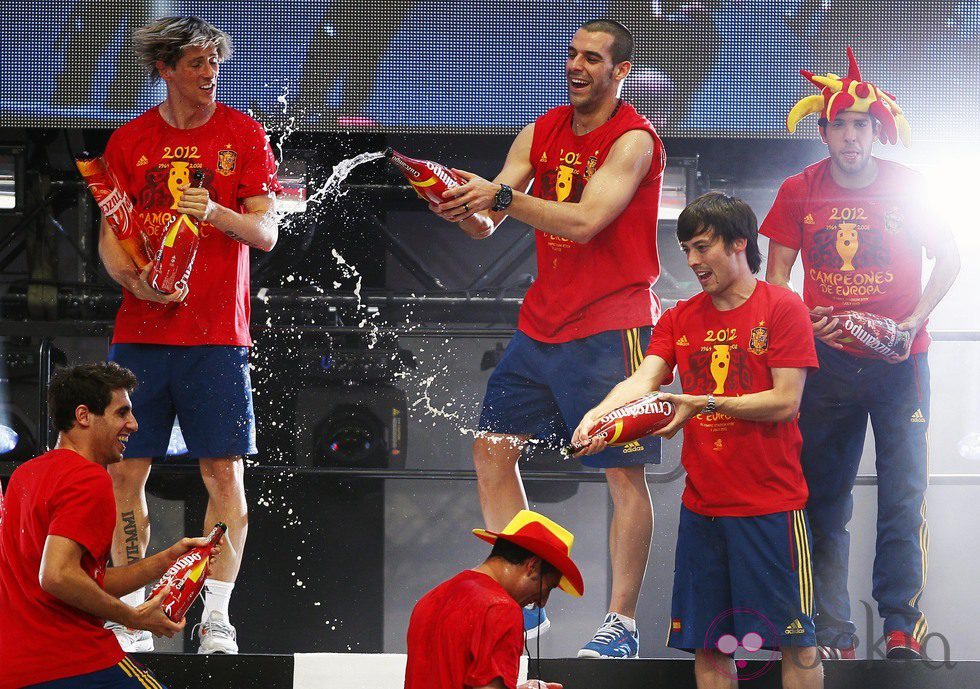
[[165, 40]]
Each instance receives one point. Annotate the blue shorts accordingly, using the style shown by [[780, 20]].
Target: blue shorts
[[206, 388], [543, 390], [741, 576], [127, 674]]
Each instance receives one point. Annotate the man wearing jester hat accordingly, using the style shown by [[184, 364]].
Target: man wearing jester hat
[[860, 225]]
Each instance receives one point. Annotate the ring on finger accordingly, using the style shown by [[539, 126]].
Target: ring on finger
[[466, 207]]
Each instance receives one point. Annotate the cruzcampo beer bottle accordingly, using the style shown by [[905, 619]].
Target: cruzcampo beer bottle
[[869, 335], [632, 421], [186, 576], [428, 179], [178, 249], [116, 207]]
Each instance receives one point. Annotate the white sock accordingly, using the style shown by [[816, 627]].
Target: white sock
[[217, 595], [628, 622], [134, 599]]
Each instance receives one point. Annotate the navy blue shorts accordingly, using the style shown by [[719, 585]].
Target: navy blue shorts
[[206, 388], [543, 390], [128, 674], [742, 582]]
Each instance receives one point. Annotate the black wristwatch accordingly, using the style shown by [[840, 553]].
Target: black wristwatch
[[503, 198]]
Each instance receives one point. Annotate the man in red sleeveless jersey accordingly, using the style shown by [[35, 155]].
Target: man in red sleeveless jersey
[[860, 224], [189, 350], [742, 350], [594, 168], [55, 590]]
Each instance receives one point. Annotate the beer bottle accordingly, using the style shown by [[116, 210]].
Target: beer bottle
[[178, 249], [186, 576], [632, 421], [116, 206], [428, 179], [870, 336]]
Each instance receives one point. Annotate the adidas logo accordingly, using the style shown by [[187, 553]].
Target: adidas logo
[[794, 628], [918, 417], [544, 158], [632, 446], [682, 341], [142, 161], [808, 220]]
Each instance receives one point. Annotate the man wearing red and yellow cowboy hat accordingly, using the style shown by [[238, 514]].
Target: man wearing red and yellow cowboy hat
[[468, 631]]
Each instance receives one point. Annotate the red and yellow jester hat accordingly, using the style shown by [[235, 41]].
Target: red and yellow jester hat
[[854, 95]]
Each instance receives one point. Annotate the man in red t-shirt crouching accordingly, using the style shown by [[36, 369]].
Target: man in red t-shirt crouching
[[469, 631], [742, 349], [55, 590]]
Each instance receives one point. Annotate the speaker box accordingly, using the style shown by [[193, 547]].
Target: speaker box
[[359, 426]]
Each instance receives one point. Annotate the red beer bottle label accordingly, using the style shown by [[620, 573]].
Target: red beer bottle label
[[178, 249], [428, 179], [116, 206], [186, 576], [632, 421], [870, 336]]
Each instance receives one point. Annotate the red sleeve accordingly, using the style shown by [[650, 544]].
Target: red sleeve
[[929, 225], [783, 223], [791, 334], [259, 177], [496, 647], [662, 342], [78, 509], [115, 158]]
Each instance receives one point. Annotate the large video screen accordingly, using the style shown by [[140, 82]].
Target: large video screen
[[702, 67]]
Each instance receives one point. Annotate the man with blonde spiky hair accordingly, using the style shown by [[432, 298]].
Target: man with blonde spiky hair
[[190, 349], [861, 225]]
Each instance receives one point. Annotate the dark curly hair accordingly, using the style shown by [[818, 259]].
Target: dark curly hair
[[91, 385]]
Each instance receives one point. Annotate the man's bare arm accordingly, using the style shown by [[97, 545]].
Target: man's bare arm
[[257, 227], [121, 269], [779, 264], [516, 173], [607, 194]]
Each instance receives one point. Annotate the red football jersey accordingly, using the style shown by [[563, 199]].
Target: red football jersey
[[861, 248], [59, 493], [606, 283], [465, 632], [738, 468], [154, 162]]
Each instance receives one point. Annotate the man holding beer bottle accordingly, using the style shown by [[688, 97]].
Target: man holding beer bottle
[[55, 590], [742, 574], [189, 349], [594, 168]]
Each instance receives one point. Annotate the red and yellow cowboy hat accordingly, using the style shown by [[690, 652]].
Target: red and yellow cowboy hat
[[546, 539]]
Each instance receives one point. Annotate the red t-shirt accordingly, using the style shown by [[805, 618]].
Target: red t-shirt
[[861, 248], [464, 633], [606, 283], [59, 493], [153, 162], [738, 468]]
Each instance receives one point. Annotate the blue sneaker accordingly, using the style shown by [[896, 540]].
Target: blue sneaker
[[536, 621], [614, 639]]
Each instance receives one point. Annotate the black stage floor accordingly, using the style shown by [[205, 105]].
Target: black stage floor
[[185, 671]]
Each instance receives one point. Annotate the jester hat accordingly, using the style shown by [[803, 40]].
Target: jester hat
[[851, 94]]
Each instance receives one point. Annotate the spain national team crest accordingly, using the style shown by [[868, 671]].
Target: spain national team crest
[[226, 162], [590, 166], [759, 339], [893, 221]]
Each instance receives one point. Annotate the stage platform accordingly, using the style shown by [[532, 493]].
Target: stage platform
[[385, 671]]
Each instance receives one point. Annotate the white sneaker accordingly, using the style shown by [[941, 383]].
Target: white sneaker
[[131, 640], [217, 635]]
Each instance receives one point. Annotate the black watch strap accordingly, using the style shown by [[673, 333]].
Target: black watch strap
[[503, 198]]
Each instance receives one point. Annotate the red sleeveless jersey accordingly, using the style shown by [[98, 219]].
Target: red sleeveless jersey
[[606, 283]]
